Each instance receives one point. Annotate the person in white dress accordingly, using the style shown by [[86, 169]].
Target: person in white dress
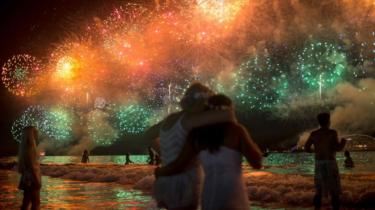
[[220, 148], [181, 191]]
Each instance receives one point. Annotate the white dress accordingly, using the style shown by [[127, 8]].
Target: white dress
[[182, 189], [223, 187]]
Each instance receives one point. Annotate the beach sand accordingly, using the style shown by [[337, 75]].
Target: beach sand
[[266, 189]]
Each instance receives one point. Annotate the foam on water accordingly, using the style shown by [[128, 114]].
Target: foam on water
[[272, 185]]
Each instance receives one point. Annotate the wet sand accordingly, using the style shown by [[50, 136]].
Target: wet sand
[[265, 189]]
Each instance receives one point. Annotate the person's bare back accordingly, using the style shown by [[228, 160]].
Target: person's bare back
[[325, 143]]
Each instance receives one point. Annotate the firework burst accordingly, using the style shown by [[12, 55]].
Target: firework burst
[[21, 73], [321, 65]]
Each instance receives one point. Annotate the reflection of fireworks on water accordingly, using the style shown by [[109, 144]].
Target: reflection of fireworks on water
[[259, 83], [58, 124], [32, 116], [100, 129], [20, 74], [321, 65], [133, 118]]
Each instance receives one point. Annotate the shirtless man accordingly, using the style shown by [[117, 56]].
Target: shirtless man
[[326, 144]]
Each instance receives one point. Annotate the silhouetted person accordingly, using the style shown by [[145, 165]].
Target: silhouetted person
[[348, 160], [266, 153], [127, 159], [151, 156], [29, 168], [327, 177], [85, 157], [157, 159]]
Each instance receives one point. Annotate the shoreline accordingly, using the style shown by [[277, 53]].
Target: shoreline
[[288, 190]]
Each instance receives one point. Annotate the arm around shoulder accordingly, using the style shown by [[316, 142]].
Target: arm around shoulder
[[208, 117]]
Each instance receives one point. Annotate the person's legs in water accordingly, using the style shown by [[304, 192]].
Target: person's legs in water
[[318, 186], [318, 198], [35, 199], [335, 200], [26, 199]]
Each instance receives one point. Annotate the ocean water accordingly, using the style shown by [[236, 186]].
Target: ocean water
[[285, 163], [75, 195], [58, 193]]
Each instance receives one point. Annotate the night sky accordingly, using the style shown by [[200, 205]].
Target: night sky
[[33, 26], [22, 24]]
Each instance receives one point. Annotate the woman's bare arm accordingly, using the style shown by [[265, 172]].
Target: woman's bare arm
[[249, 149], [186, 156], [208, 117]]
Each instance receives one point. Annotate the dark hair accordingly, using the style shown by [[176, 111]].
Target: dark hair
[[219, 100], [192, 93], [211, 137], [324, 119]]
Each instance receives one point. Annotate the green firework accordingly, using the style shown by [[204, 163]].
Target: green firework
[[133, 118], [321, 65], [259, 83], [100, 129]]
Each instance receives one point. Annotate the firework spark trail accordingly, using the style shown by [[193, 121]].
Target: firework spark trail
[[21, 73], [258, 52]]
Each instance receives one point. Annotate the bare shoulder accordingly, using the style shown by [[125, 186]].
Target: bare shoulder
[[332, 131], [236, 131]]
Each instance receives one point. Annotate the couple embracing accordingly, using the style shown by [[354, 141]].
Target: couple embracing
[[204, 133]]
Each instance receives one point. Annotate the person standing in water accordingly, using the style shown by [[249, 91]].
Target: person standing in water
[[348, 160], [127, 159], [85, 157], [327, 177], [29, 168]]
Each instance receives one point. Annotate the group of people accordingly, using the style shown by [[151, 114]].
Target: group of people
[[203, 138]]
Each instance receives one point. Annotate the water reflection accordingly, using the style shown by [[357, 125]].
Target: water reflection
[[68, 194]]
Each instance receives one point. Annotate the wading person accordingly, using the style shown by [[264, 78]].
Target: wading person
[[127, 159], [348, 163], [219, 148], [29, 168], [327, 177], [85, 157]]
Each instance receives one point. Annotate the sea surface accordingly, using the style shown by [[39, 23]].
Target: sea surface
[[60, 193], [284, 163]]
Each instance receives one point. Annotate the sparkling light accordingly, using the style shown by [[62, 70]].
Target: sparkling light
[[20, 74], [321, 65], [32, 116], [260, 83], [100, 129], [133, 118], [58, 124]]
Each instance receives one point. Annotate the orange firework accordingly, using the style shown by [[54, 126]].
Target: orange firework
[[76, 66]]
